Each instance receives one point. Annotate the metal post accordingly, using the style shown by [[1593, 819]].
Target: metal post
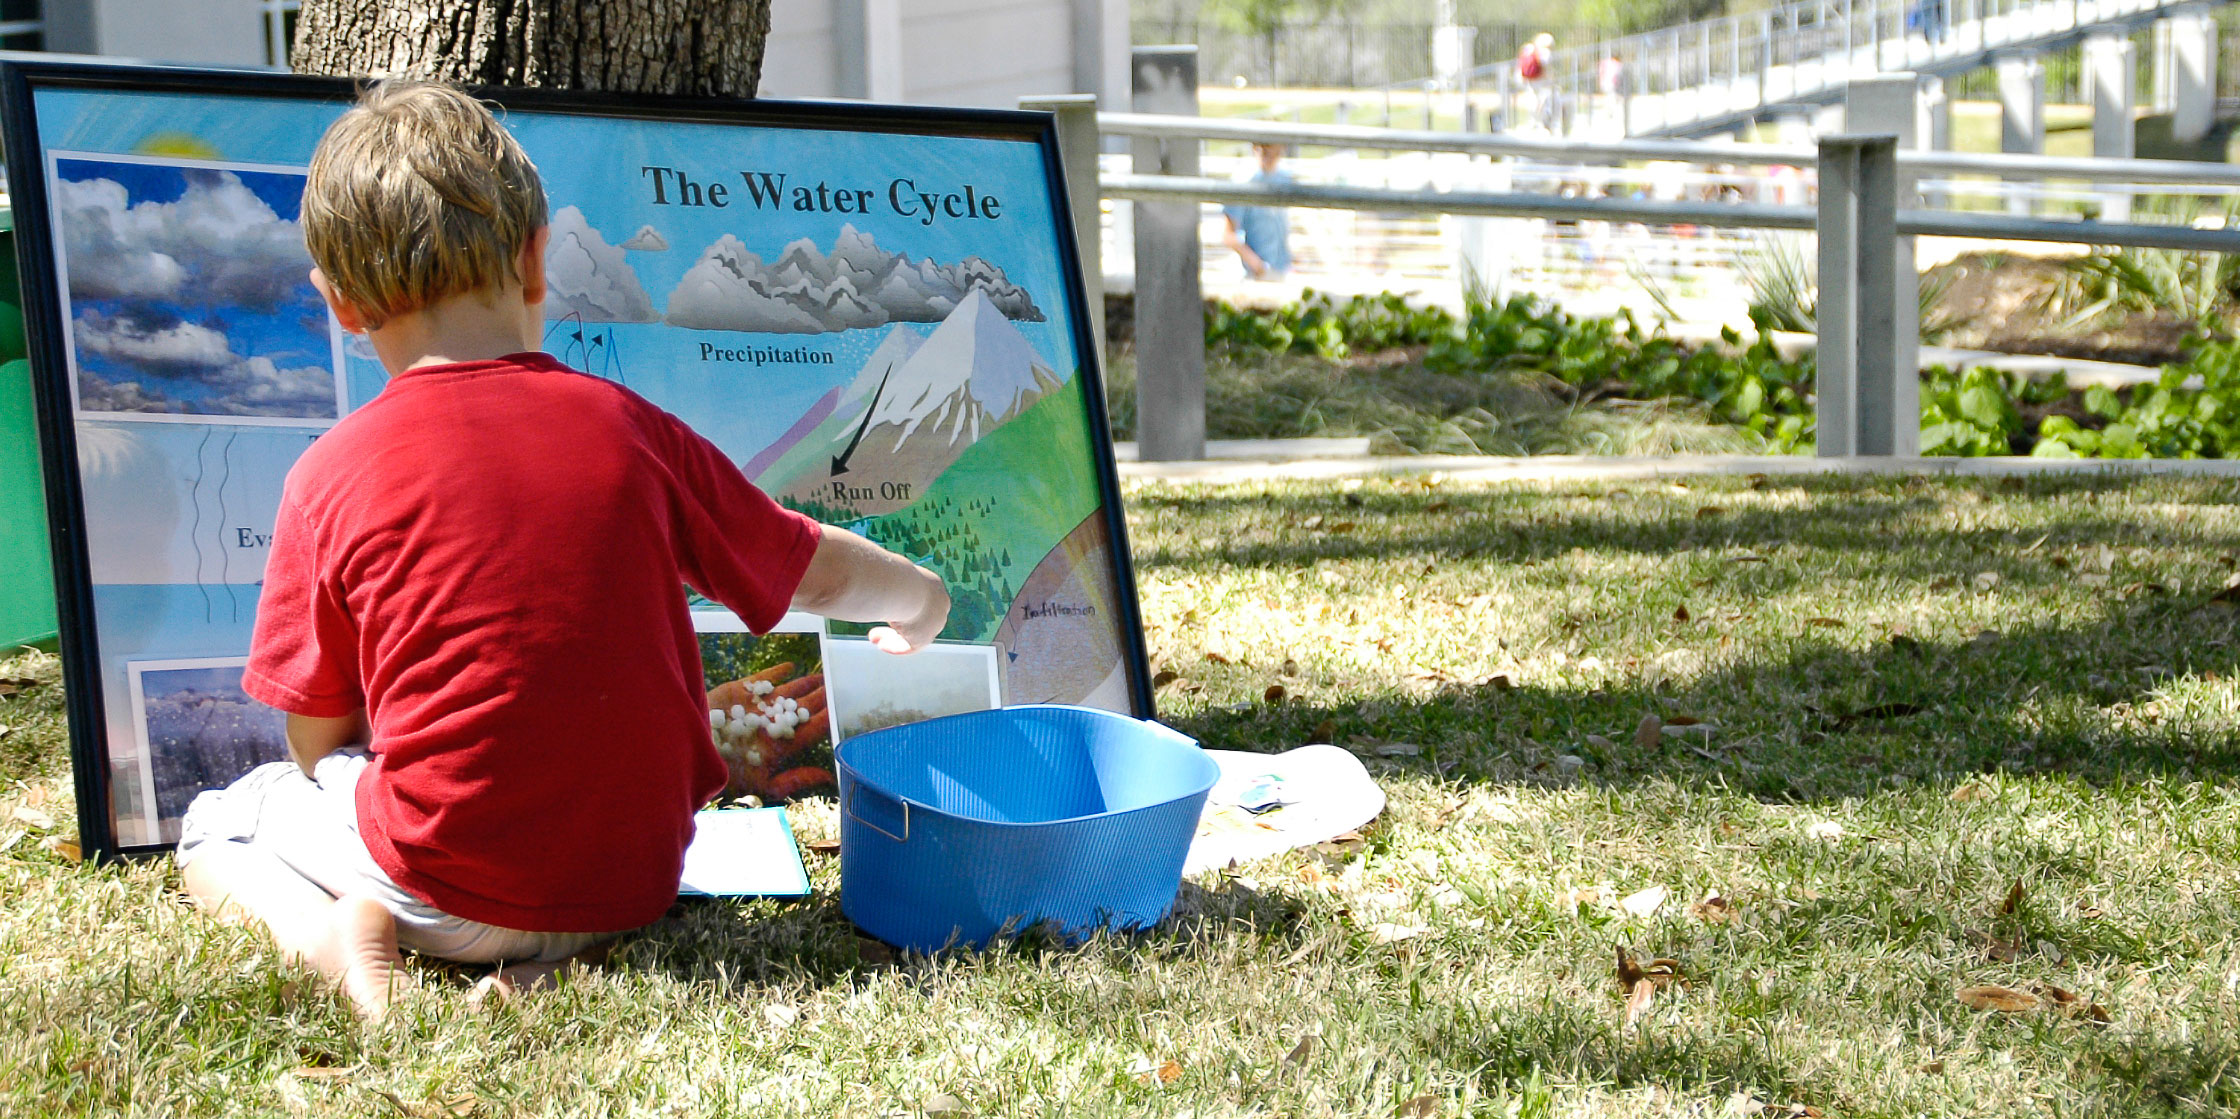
[[2111, 78], [1868, 404], [1891, 104], [1888, 412], [1170, 304], [2192, 73], [1836, 315], [2022, 113], [1078, 142]]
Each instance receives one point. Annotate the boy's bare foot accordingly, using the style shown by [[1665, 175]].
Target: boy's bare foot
[[361, 954], [514, 980]]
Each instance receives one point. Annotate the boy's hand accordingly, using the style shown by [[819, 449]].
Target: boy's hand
[[918, 631]]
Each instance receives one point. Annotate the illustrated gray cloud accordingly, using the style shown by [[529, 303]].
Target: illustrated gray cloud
[[179, 349], [588, 279], [218, 243], [647, 240], [807, 291], [189, 368]]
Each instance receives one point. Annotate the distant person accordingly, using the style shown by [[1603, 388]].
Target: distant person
[[1536, 71], [1610, 82], [1261, 235], [1934, 19]]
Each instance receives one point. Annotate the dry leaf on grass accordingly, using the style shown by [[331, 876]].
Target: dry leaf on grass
[[1649, 733], [1826, 623], [2014, 899], [1968, 792], [942, 1103], [1999, 950], [10, 685], [1637, 1002], [1421, 1107], [1644, 903], [25, 814], [1324, 731], [6, 730], [1301, 1051], [872, 952], [1825, 829], [1714, 909], [2005, 1000], [1164, 677], [1399, 750], [2230, 593], [1660, 971], [1680, 613], [1600, 743], [2071, 1005], [1274, 694], [65, 849], [826, 847], [1157, 1075]]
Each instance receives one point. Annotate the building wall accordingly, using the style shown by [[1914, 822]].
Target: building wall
[[211, 32], [798, 60], [985, 53]]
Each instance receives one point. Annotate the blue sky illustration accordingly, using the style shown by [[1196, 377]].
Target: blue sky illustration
[[223, 682], [189, 292]]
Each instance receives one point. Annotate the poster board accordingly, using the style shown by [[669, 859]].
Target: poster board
[[874, 311]]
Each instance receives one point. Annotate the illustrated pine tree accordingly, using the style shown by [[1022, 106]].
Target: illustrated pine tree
[[709, 48]]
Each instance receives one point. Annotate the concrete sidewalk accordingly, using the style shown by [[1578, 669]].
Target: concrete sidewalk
[[1576, 468]]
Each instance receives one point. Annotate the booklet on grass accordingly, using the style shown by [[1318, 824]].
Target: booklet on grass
[[743, 852]]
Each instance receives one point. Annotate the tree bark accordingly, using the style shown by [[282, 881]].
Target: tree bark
[[697, 47]]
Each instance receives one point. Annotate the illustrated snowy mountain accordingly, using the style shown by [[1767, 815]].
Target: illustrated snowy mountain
[[974, 371], [856, 286], [918, 402]]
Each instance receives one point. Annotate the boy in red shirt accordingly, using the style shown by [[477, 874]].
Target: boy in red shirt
[[475, 578]]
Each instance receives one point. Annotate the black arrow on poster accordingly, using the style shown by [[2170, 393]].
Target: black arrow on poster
[[840, 461]]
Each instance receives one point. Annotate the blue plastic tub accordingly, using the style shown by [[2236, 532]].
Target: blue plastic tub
[[955, 829]]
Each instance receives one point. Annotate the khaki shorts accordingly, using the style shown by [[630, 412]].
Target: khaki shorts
[[310, 826]]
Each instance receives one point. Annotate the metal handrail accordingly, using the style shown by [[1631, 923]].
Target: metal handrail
[[1712, 70], [1740, 215], [2166, 171]]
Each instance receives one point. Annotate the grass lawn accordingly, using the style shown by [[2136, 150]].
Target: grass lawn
[[1953, 734]]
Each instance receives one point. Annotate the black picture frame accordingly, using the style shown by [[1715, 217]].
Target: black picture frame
[[24, 76]]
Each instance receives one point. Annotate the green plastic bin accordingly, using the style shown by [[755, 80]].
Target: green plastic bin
[[26, 564]]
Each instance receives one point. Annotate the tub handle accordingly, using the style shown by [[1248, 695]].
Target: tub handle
[[865, 792]]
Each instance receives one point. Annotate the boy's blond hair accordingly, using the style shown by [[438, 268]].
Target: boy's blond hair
[[415, 195]]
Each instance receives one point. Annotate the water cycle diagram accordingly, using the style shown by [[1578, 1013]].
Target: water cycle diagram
[[876, 324]]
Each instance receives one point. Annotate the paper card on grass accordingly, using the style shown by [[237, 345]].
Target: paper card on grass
[[743, 852], [1264, 804]]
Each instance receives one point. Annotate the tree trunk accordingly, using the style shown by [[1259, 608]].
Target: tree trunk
[[698, 47]]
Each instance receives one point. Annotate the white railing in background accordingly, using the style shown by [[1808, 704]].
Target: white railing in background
[[1717, 72], [1866, 310]]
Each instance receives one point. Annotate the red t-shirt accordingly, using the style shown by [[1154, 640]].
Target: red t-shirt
[[487, 558]]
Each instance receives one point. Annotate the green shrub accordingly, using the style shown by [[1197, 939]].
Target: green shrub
[[1971, 412]]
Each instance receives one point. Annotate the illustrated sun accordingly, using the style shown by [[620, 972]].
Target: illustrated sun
[[178, 145]]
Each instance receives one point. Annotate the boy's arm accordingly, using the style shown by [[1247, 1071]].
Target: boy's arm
[[855, 580], [311, 737]]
